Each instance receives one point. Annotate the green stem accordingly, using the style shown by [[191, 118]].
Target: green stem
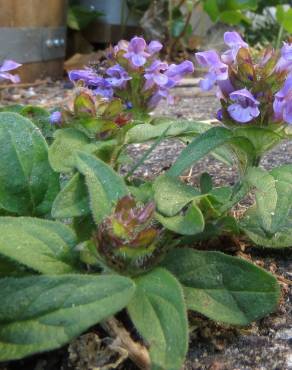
[[279, 37], [146, 154], [123, 17]]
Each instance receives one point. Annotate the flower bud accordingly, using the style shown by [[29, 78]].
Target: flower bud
[[129, 240]]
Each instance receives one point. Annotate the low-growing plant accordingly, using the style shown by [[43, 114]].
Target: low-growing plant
[[119, 249], [79, 241]]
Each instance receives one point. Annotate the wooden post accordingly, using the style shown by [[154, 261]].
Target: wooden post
[[29, 24]]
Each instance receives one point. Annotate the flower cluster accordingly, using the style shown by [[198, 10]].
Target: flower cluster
[[135, 74], [251, 90], [6, 67], [129, 238]]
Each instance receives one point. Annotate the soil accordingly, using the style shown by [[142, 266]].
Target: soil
[[264, 345]]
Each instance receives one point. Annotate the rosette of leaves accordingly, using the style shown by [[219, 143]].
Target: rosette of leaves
[[49, 295]]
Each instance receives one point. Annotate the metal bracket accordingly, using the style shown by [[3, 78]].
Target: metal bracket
[[26, 45]]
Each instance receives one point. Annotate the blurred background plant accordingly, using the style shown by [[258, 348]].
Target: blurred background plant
[[183, 25], [271, 23]]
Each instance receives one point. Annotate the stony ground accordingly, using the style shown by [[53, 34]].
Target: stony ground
[[265, 345]]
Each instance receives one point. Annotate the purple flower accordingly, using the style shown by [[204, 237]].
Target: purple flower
[[225, 88], [96, 83], [283, 102], [87, 75], [217, 70], [103, 88], [121, 45], [118, 76], [154, 47], [5, 67], [285, 61], [56, 118], [160, 94], [136, 52], [235, 42], [245, 106], [177, 71], [155, 74]]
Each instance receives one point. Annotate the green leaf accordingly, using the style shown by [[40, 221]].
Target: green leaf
[[191, 223], [232, 17], [79, 17], [146, 132], [10, 268], [27, 183], [41, 118], [171, 195], [206, 183], [199, 147], [104, 185], [142, 192], [224, 288], [251, 225], [84, 227], [41, 313], [158, 312], [73, 199], [66, 143], [41, 245], [284, 17], [273, 195], [262, 139]]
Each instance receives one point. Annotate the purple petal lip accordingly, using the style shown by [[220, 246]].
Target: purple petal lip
[[283, 102], [118, 76], [154, 47], [285, 61], [243, 96], [286, 51], [233, 39], [137, 45], [218, 71], [243, 114], [9, 65], [209, 58], [177, 71], [245, 106], [235, 42]]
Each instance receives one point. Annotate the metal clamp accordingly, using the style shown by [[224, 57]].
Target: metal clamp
[[32, 44]]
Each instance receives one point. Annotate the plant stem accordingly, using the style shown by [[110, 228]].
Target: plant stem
[[123, 17], [146, 154], [137, 352], [279, 37]]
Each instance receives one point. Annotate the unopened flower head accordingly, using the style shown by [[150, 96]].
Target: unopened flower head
[[252, 90], [129, 239]]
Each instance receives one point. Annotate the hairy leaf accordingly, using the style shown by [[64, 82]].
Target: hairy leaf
[[224, 288], [191, 223], [73, 199], [158, 312], [252, 227], [171, 195], [41, 313], [105, 186], [28, 185], [273, 195], [66, 142], [44, 246]]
